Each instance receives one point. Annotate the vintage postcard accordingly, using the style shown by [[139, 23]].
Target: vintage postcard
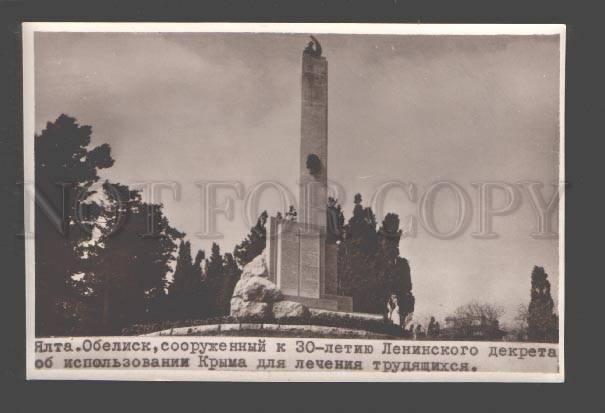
[[294, 202]]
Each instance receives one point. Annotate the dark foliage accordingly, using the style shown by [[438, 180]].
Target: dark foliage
[[254, 243], [198, 293], [214, 281], [370, 268], [542, 323], [127, 266], [101, 261], [65, 169], [231, 275], [184, 299]]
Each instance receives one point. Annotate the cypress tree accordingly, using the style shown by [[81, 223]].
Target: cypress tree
[[128, 269], [231, 275], [214, 280], [370, 267], [542, 323], [393, 271]]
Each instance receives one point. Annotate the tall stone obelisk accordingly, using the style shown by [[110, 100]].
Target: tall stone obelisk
[[314, 137], [299, 259]]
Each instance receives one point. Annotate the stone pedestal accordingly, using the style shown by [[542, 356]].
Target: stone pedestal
[[297, 264]]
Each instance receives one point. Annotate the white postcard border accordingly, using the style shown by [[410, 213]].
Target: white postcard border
[[28, 30]]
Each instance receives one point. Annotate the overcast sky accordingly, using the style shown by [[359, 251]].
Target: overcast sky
[[420, 109]]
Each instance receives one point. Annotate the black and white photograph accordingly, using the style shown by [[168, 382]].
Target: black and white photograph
[[294, 202]]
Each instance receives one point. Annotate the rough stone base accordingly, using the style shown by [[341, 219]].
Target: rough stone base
[[289, 309], [250, 309]]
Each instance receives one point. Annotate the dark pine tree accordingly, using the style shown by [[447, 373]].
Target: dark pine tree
[[231, 275], [370, 268], [197, 264], [183, 268], [185, 293], [65, 168], [254, 243], [131, 259], [200, 307], [357, 260], [213, 283], [542, 323]]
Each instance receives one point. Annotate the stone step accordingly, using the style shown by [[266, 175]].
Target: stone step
[[328, 302]]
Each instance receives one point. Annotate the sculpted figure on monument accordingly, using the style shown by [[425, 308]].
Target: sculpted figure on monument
[[313, 48], [313, 164]]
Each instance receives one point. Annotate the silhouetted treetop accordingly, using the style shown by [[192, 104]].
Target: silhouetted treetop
[[542, 323], [62, 153]]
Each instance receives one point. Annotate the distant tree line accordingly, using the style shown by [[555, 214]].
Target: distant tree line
[[536, 322], [202, 288]]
